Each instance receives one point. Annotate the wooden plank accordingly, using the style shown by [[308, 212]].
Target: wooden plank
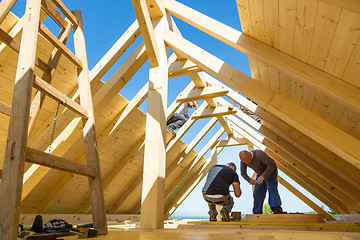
[[58, 96], [309, 75], [15, 45], [92, 154], [5, 7], [245, 17], [13, 168], [271, 22], [153, 187], [66, 12], [350, 5], [115, 52], [323, 34], [232, 142], [52, 161], [50, 9], [213, 112], [57, 43], [306, 200], [202, 93], [5, 109], [182, 67], [287, 17], [147, 31], [277, 104], [343, 44]]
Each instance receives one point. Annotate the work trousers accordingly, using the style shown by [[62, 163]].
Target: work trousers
[[226, 201], [271, 184], [176, 121]]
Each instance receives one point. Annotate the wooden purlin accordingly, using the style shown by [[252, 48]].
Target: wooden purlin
[[5, 7]]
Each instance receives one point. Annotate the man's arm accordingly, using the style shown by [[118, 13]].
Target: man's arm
[[271, 165], [243, 172], [237, 189]]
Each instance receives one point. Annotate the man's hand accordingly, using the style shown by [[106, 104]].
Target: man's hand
[[260, 180], [252, 181]]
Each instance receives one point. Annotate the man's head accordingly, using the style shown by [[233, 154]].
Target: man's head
[[245, 156], [231, 165]]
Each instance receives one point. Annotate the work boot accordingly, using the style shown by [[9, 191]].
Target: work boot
[[213, 219], [224, 215], [278, 210]]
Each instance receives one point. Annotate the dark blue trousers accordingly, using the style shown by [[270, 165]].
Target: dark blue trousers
[[175, 121], [271, 184]]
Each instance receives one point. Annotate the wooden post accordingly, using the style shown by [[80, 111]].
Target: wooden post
[[153, 189], [13, 170], [91, 148]]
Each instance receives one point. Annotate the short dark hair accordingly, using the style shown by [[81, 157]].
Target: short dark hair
[[231, 164]]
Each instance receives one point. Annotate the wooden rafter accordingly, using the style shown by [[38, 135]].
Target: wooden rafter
[[232, 142], [5, 109], [50, 9], [202, 93], [5, 7], [213, 112], [182, 67]]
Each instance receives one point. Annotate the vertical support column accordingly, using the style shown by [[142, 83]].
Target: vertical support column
[[91, 148], [13, 170], [153, 188]]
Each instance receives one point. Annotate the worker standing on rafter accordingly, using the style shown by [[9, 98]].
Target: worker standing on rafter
[[266, 179]]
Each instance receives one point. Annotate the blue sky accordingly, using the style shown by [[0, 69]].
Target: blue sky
[[105, 21]]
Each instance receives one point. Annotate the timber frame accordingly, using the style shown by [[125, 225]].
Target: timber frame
[[301, 106]]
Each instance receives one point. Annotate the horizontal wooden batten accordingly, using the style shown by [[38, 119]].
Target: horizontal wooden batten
[[202, 93], [58, 96], [15, 45], [5, 109], [213, 112], [58, 44], [50, 9], [66, 12], [49, 160], [182, 67], [232, 142]]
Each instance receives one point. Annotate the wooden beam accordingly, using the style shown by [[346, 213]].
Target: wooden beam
[[14, 32], [202, 93], [5, 7], [14, 161], [66, 12], [147, 31], [232, 142], [50, 9], [58, 44], [213, 112], [153, 186], [52, 161], [182, 67], [325, 83], [91, 147], [315, 127], [15, 45], [58, 96], [115, 52], [306, 200], [5, 109]]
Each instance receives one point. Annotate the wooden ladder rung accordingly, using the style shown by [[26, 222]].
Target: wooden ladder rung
[[49, 160], [57, 43], [50, 9], [58, 96], [67, 12], [15, 45]]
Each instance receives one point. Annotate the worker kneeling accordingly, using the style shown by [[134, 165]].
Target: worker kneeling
[[216, 190]]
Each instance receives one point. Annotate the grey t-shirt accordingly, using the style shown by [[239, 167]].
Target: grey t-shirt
[[262, 164]]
